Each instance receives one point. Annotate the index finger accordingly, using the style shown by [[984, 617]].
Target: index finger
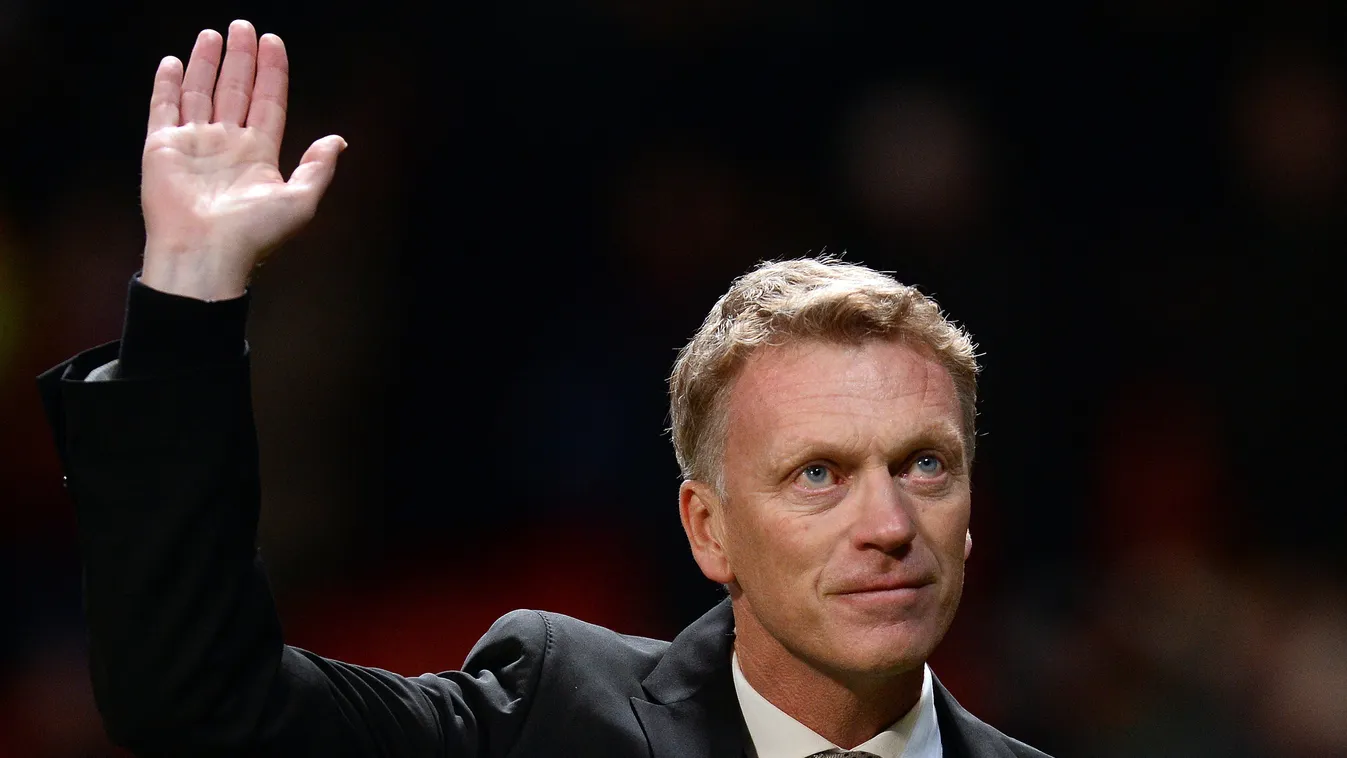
[[271, 88]]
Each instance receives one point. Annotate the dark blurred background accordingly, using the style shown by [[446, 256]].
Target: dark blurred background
[[1138, 210]]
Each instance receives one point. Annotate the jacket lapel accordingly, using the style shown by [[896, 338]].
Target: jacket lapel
[[692, 711], [962, 735]]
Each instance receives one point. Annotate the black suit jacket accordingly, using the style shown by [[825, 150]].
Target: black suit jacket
[[186, 649]]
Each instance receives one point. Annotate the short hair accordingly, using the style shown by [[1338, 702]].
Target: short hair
[[779, 302]]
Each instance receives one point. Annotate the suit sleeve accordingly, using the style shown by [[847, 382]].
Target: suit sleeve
[[186, 648]]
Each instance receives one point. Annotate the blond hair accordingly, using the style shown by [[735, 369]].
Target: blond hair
[[806, 299]]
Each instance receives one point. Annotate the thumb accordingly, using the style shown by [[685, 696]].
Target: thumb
[[317, 166]]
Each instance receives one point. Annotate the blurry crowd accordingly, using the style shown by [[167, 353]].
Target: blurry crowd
[[459, 367]]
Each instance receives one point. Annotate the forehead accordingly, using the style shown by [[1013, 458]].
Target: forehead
[[877, 390]]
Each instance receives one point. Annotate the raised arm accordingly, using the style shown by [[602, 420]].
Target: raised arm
[[186, 648]]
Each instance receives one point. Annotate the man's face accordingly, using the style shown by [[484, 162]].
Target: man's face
[[846, 503]]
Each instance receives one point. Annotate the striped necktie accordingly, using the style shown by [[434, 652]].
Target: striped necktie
[[843, 754]]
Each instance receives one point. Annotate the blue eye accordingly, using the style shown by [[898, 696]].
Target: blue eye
[[928, 465], [816, 476]]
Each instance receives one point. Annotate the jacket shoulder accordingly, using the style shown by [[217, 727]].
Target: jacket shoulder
[[581, 676], [590, 646], [564, 645], [1022, 749]]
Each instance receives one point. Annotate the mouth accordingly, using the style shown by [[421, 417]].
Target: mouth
[[886, 593], [886, 586]]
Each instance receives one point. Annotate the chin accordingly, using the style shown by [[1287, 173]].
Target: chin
[[885, 650], [897, 657], [876, 652]]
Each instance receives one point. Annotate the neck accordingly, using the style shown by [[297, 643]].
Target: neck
[[844, 708]]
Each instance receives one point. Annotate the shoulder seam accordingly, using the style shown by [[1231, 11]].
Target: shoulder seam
[[549, 640]]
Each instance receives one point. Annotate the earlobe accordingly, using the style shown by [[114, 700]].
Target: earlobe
[[967, 544], [700, 510]]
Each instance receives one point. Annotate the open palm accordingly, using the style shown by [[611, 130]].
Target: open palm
[[214, 199]]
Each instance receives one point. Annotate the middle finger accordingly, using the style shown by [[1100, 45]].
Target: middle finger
[[233, 90]]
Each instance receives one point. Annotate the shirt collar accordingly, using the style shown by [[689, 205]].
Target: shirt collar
[[774, 734]]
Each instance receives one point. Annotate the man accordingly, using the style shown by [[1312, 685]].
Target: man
[[823, 417]]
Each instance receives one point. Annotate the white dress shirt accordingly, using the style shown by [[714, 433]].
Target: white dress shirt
[[773, 734]]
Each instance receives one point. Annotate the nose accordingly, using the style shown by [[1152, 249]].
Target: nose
[[884, 518]]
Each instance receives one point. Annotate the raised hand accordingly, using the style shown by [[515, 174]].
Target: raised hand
[[214, 199]]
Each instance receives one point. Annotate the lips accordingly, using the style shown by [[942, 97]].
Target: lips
[[887, 585]]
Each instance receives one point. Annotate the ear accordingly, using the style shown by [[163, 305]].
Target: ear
[[967, 543], [700, 509]]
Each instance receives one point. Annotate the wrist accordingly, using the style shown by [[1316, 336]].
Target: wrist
[[195, 274]]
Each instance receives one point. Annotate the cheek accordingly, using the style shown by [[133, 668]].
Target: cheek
[[776, 548], [946, 528]]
